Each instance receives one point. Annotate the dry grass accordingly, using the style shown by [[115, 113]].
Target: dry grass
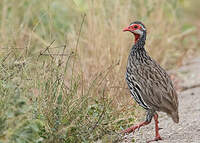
[[62, 85]]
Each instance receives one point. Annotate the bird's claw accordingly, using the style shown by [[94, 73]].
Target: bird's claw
[[129, 130], [138, 128]]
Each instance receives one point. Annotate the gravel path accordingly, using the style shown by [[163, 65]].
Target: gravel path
[[188, 129]]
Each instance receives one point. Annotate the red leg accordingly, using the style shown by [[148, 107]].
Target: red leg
[[133, 128], [156, 129]]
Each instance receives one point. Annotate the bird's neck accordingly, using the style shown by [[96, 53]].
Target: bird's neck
[[138, 52], [139, 42]]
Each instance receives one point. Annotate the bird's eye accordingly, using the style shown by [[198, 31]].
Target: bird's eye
[[135, 26]]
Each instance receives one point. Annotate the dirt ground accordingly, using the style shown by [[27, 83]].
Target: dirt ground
[[188, 129]]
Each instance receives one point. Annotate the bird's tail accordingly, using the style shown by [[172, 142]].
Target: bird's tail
[[175, 116]]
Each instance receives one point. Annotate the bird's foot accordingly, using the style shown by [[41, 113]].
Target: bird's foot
[[157, 138], [131, 129]]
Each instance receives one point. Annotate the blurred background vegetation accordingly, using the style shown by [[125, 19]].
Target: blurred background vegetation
[[62, 64]]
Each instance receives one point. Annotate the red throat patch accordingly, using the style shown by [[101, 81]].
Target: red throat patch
[[137, 36]]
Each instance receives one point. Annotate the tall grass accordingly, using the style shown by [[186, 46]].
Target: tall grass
[[63, 64]]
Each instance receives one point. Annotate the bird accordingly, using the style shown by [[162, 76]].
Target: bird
[[149, 84]]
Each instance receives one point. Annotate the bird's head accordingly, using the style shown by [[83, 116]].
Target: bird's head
[[137, 28]]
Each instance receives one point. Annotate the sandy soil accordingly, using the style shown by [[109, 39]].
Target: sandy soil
[[188, 129]]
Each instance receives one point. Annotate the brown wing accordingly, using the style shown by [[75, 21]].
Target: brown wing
[[158, 91]]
